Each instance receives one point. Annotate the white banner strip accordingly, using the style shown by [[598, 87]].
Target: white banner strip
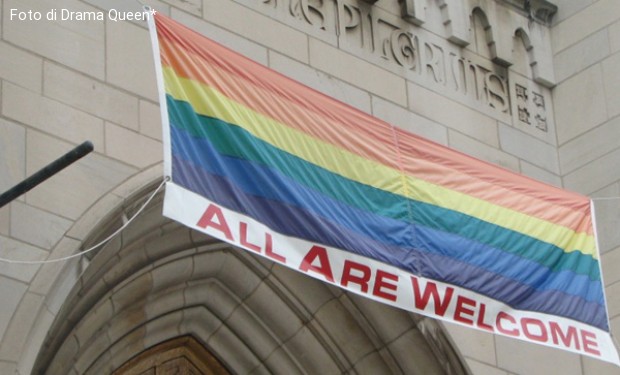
[[161, 90], [385, 283]]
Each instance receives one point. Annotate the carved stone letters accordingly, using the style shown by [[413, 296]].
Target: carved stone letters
[[420, 56]]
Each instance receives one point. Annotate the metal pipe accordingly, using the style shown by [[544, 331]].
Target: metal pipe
[[46, 172]]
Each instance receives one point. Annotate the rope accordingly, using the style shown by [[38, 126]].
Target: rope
[[101, 243]]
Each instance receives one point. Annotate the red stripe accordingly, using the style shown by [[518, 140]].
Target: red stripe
[[195, 57]]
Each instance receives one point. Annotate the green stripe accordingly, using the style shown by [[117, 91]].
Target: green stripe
[[374, 200]]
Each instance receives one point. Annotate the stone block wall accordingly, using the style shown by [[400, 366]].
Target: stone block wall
[[476, 75], [585, 47]]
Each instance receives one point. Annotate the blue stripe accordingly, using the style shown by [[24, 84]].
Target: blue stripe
[[294, 222], [275, 186], [236, 142], [283, 218], [518, 296], [512, 267], [255, 180]]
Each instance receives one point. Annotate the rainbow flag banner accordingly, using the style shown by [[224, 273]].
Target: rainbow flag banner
[[276, 168]]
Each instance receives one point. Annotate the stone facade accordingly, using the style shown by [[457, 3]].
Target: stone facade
[[528, 85]]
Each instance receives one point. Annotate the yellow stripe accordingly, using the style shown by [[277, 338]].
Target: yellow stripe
[[210, 102]]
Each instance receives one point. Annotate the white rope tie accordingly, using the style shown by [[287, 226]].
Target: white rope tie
[[101, 243]]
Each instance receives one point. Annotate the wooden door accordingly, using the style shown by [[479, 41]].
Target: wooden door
[[180, 356]]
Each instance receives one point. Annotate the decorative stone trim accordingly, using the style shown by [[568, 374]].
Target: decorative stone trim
[[468, 57], [537, 10]]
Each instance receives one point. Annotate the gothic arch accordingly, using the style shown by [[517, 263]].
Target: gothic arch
[[499, 25], [523, 36], [539, 53], [454, 20], [487, 30], [498, 40], [159, 281], [452, 15]]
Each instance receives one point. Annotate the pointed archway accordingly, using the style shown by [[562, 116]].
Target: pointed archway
[[160, 282]]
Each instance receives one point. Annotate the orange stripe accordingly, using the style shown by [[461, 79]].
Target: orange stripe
[[275, 95], [286, 101], [435, 163]]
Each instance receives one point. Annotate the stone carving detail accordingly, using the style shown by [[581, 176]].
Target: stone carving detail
[[403, 47], [522, 100], [540, 10], [541, 116], [418, 55], [531, 108], [497, 92], [353, 24], [306, 11], [412, 11]]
